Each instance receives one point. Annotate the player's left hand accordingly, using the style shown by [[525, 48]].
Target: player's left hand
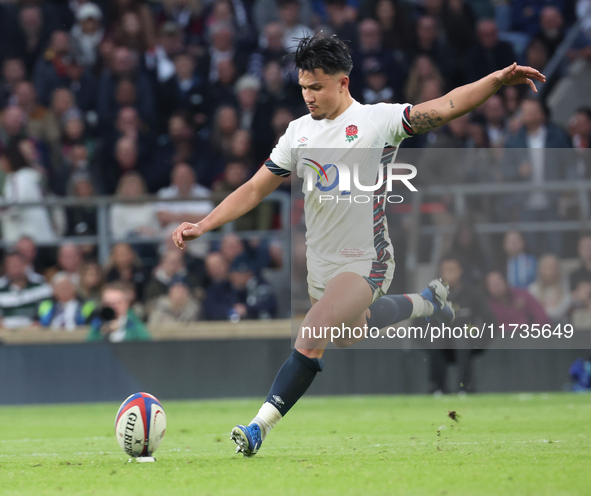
[[518, 74]]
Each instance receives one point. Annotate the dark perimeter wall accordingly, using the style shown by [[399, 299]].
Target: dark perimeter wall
[[233, 368]]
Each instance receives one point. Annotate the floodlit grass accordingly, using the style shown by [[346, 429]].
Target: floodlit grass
[[392, 445]]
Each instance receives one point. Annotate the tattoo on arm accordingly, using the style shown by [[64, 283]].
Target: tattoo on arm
[[451, 103], [421, 122]]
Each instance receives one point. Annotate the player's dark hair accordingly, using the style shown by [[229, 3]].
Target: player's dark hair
[[318, 52]]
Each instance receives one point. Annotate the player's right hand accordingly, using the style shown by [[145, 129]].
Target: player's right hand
[[186, 232]]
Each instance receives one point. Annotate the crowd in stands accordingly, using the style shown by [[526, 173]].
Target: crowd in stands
[[119, 299], [184, 99]]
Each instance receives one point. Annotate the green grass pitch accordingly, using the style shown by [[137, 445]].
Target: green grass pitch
[[528, 444]]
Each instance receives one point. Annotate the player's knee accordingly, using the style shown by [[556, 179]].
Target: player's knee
[[344, 342]]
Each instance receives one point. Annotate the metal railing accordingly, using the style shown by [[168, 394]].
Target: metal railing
[[104, 239], [460, 194]]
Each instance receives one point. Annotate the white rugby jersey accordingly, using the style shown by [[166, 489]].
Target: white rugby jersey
[[352, 226]]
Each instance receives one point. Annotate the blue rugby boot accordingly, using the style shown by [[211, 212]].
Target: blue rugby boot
[[248, 439], [437, 292]]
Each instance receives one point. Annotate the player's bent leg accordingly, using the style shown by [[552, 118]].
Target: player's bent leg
[[346, 298]]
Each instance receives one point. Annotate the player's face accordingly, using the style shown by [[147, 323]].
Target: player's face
[[322, 92]]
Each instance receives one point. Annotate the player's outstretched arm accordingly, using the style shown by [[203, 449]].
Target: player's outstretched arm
[[434, 113], [236, 204]]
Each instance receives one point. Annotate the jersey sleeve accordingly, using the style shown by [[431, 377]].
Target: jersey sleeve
[[395, 118], [280, 160]]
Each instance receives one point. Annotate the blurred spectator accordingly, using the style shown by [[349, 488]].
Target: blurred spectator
[[376, 88], [170, 270], [221, 92], [220, 299], [62, 100], [126, 161], [65, 310], [232, 247], [78, 163], [178, 306], [234, 13], [130, 32], [270, 50], [50, 70], [160, 59], [37, 117], [88, 33], [124, 66], [422, 71], [142, 17], [341, 20], [160, 65], [496, 125], [117, 322], [13, 73], [289, 17], [395, 23], [551, 31], [223, 49], [512, 306], [551, 289], [466, 247], [266, 11], [529, 160], [181, 145], [73, 133], [189, 91], [459, 21], [133, 219], [241, 149], [82, 219], [580, 311], [370, 58], [22, 184], [187, 15], [184, 185], [30, 37], [521, 267], [235, 175], [579, 127], [255, 296], [91, 282], [489, 54], [125, 266], [536, 56], [251, 117], [27, 249], [429, 42], [225, 124], [69, 261], [20, 293], [583, 273], [473, 311], [13, 125], [525, 14]]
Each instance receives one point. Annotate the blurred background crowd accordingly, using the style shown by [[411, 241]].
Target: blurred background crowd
[[184, 99]]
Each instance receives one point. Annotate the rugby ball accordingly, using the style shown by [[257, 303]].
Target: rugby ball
[[140, 425]]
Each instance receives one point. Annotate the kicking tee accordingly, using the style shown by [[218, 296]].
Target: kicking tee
[[339, 160]]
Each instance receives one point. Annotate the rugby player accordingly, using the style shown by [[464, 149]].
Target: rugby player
[[349, 254]]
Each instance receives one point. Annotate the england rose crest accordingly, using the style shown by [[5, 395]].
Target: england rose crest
[[351, 133]]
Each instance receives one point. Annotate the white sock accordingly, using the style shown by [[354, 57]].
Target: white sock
[[267, 418], [420, 306]]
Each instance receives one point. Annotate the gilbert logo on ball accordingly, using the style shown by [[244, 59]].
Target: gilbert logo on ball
[[140, 425]]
